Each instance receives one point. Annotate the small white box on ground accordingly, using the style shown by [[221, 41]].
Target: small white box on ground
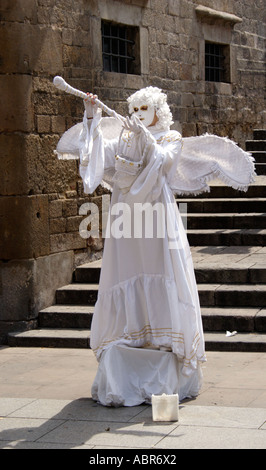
[[165, 407]]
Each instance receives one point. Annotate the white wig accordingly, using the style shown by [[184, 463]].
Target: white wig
[[153, 96]]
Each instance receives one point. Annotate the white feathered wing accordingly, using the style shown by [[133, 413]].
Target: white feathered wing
[[207, 157]]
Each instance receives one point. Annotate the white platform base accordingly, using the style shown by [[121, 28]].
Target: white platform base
[[129, 376]]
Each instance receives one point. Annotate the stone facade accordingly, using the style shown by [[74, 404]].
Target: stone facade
[[40, 197]]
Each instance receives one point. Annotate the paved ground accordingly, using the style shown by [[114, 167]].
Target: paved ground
[[45, 403]]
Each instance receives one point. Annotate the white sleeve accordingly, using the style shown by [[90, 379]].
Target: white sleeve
[[97, 156], [94, 143], [160, 166]]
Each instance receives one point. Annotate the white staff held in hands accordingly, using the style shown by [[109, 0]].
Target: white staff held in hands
[[61, 84]]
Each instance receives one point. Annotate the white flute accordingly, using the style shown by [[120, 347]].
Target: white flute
[[61, 84]]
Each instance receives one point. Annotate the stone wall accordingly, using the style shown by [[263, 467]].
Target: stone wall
[[172, 47], [40, 197]]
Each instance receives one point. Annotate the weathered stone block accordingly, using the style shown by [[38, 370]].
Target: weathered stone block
[[189, 129], [70, 207], [28, 165], [18, 11], [56, 208], [13, 167], [58, 124], [30, 48], [16, 103], [58, 225], [174, 7], [73, 223], [16, 289], [50, 273], [173, 70], [187, 99], [71, 194], [25, 227], [74, 56], [27, 286], [55, 175], [186, 72], [66, 241], [43, 124]]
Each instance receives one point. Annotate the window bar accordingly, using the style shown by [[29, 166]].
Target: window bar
[[214, 58], [122, 60]]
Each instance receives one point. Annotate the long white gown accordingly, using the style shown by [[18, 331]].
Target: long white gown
[[147, 292]]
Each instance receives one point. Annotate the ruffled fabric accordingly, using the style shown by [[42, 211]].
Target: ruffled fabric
[[129, 377], [137, 316], [208, 157]]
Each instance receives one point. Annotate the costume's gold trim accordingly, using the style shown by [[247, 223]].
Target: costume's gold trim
[[158, 333], [169, 138]]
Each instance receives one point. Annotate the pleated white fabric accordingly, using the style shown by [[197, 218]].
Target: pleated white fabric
[[147, 292]]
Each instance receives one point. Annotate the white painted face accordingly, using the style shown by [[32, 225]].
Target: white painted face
[[145, 113]]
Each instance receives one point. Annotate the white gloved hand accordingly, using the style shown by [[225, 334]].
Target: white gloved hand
[[133, 124], [90, 105]]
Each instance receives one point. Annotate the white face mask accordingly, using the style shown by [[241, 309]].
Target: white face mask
[[145, 113]]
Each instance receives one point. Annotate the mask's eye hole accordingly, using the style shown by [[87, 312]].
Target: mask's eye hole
[[136, 110], [144, 108]]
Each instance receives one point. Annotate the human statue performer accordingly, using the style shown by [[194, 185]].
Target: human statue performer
[[147, 330]]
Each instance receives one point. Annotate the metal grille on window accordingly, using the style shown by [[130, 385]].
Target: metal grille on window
[[116, 48], [214, 63]]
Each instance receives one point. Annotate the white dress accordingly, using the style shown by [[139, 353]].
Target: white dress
[[147, 292]]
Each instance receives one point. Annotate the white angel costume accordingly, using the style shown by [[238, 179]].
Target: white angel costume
[[147, 329]]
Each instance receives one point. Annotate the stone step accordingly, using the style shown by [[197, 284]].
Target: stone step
[[51, 338], [260, 157], [257, 189], [205, 273], [230, 237], [225, 221], [232, 295], [259, 134], [88, 273], [256, 145], [66, 316], [218, 274], [79, 338], [243, 342], [77, 294], [209, 294], [261, 168], [234, 319], [224, 205]]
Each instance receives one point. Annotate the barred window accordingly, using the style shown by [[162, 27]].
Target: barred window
[[120, 48], [217, 62]]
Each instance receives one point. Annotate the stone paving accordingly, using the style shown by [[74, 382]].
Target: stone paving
[[45, 403]]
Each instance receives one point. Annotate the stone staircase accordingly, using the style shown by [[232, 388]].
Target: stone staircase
[[258, 149], [226, 230]]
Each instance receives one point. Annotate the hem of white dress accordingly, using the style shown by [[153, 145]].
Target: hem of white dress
[[121, 298]]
